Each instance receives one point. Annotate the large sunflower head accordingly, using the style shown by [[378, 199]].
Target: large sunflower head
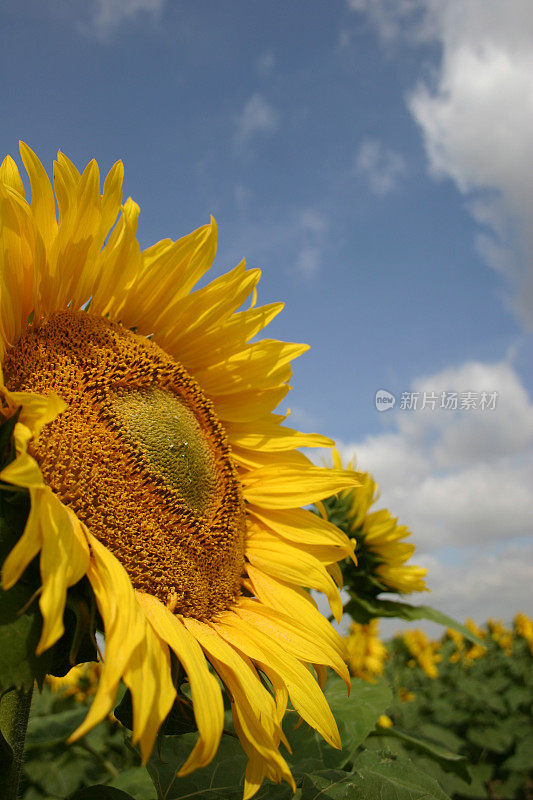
[[381, 552], [157, 470]]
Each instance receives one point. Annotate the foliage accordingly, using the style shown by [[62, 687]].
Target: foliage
[[479, 706], [104, 765], [54, 770]]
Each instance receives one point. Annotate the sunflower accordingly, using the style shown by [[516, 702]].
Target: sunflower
[[381, 552], [423, 651], [523, 626], [81, 682], [156, 468], [366, 652]]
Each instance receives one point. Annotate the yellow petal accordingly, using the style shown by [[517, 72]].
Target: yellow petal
[[304, 691], [28, 545], [64, 561], [261, 459], [205, 691], [255, 714], [42, 197], [295, 637], [336, 573], [36, 410], [248, 405], [262, 365], [124, 628], [293, 565], [149, 680], [271, 436], [296, 603], [10, 175], [301, 526], [292, 488], [24, 472]]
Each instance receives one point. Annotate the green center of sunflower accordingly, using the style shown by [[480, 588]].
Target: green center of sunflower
[[174, 447], [140, 456]]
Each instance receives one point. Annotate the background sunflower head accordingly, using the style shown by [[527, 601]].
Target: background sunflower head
[[380, 550]]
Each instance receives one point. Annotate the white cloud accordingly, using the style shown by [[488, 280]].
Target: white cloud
[[476, 120], [383, 168], [266, 63], [396, 18], [476, 117], [313, 221], [308, 262], [242, 197], [312, 227], [257, 117], [494, 584], [108, 15], [461, 480]]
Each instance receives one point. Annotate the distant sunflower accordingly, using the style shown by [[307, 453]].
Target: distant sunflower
[[423, 651], [157, 468], [379, 547], [81, 682], [366, 652]]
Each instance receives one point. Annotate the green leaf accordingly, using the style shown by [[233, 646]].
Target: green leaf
[[480, 775], [440, 734], [48, 730], [514, 786], [497, 738], [330, 784], [137, 782], [223, 779], [58, 773], [517, 696], [100, 792], [356, 717], [449, 761], [522, 759], [363, 609], [375, 775], [389, 777], [19, 636]]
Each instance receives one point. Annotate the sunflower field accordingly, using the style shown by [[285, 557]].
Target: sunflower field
[[472, 701]]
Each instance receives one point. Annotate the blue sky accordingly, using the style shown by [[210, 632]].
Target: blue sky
[[342, 149]]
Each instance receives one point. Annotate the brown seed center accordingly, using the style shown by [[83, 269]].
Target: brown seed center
[[139, 456]]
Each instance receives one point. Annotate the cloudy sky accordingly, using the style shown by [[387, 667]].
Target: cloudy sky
[[375, 159]]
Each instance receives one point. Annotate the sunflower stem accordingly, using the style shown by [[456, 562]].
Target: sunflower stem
[[14, 715]]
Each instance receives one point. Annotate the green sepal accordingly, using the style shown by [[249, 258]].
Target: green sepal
[[363, 609]]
